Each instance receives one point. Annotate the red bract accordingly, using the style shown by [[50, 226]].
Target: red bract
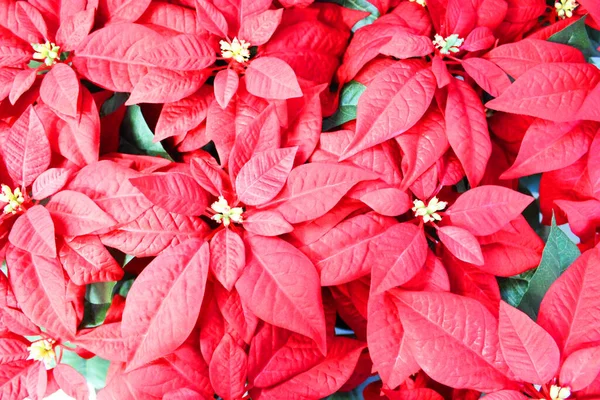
[[257, 199]]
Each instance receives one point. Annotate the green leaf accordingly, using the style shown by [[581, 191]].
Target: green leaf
[[360, 5], [113, 103], [574, 35], [512, 289], [94, 369], [136, 136], [559, 253], [349, 96]]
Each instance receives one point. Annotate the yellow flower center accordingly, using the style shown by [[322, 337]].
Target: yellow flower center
[[48, 52], [13, 199], [565, 8], [43, 350], [237, 49], [225, 214], [429, 211], [419, 2], [449, 45], [559, 393]]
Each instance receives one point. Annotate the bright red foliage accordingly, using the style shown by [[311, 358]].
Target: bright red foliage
[[286, 199]]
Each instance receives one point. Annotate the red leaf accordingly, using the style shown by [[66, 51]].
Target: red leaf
[[168, 292], [394, 101], [239, 318], [154, 231], [210, 176], [570, 319], [467, 130], [506, 395], [324, 378], [453, 338], [106, 341], [550, 145], [226, 84], [227, 257], [182, 52], [387, 201], [549, 87], [190, 199], [86, 260], [267, 223], [117, 47], [210, 18], [12, 349], [76, 214], [486, 209], [480, 38], [406, 45], [34, 232], [60, 90], [461, 243], [74, 29], [228, 368], [26, 150], [40, 288], [115, 11], [314, 189], [408, 251], [12, 379], [529, 351], [23, 81], [183, 115], [50, 182], [161, 85], [263, 177], [581, 368], [258, 29], [272, 78], [387, 346], [487, 75], [277, 273], [351, 249], [517, 58], [71, 382]]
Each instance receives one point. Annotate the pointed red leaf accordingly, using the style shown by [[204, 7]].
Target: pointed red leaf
[[486, 209], [237, 315], [506, 395], [467, 130], [210, 18], [40, 288], [159, 188], [71, 382], [272, 78], [570, 319], [74, 29], [22, 82], [50, 182], [226, 84], [581, 368], [228, 368], [314, 189], [210, 176], [267, 223], [227, 257], [116, 11], [394, 101], [162, 85], [454, 339], [461, 243], [258, 29], [168, 292], [181, 116], [60, 90], [387, 201], [263, 177], [26, 150], [76, 214], [86, 260], [529, 351], [182, 52], [34, 232], [548, 87], [277, 273], [487, 75]]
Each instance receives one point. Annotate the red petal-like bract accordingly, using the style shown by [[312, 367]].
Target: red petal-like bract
[[173, 300], [34, 232], [76, 214], [447, 344], [277, 273], [60, 90], [272, 78], [228, 257], [228, 369]]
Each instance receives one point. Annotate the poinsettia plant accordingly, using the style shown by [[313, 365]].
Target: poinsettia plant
[[298, 199]]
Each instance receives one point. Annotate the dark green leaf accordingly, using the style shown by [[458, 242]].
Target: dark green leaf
[[512, 289], [113, 103], [574, 35], [360, 5], [349, 96], [136, 136], [559, 253]]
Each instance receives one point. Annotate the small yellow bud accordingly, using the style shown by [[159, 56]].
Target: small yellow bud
[[14, 199], [237, 49], [225, 214], [43, 350], [419, 2], [565, 8], [48, 52], [559, 393], [449, 45], [429, 212]]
